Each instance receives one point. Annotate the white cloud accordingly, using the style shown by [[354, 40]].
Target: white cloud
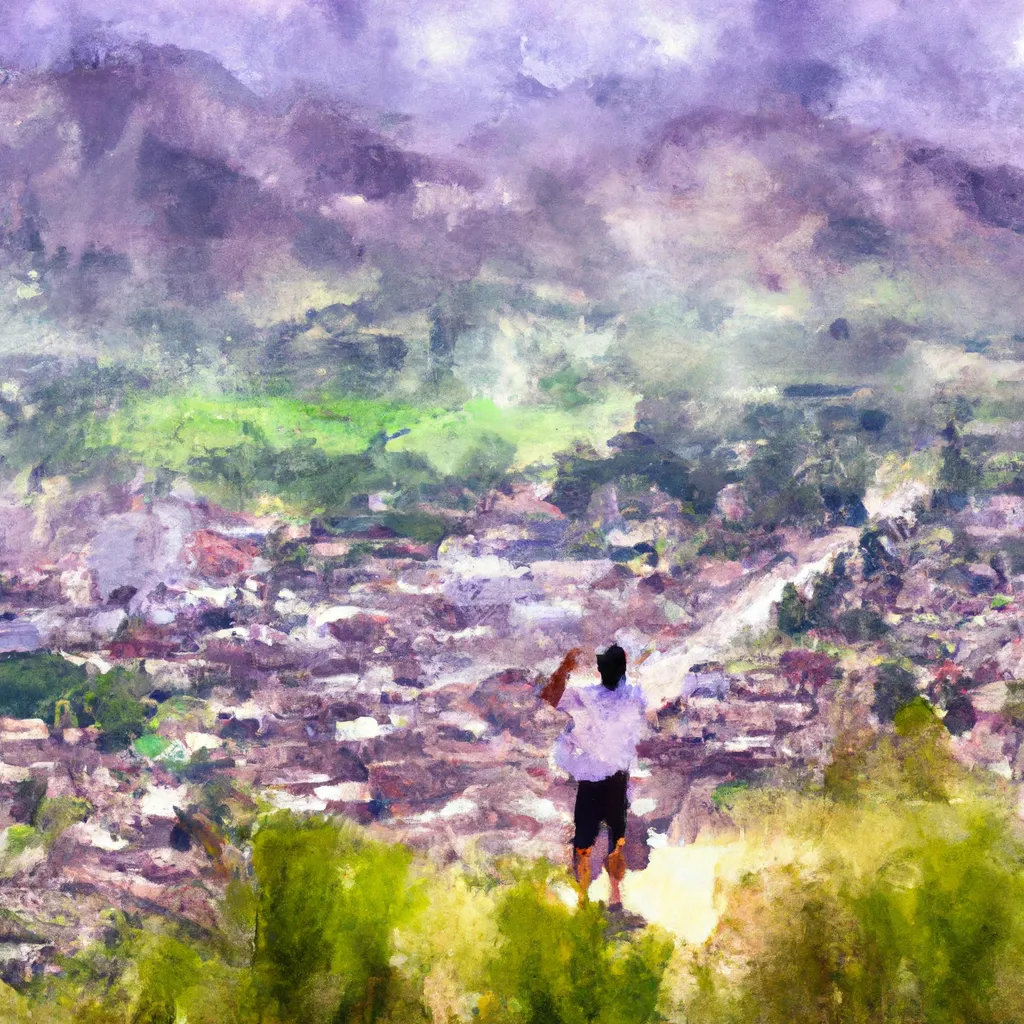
[[1018, 47], [676, 40], [437, 41]]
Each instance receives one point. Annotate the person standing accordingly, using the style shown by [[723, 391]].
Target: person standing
[[598, 749]]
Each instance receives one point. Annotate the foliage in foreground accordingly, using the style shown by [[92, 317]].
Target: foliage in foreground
[[333, 927], [892, 892], [897, 895]]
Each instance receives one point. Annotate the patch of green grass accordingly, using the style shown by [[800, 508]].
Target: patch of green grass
[[722, 796], [19, 839], [740, 665], [248, 450], [417, 526], [175, 757], [172, 430], [1001, 601], [151, 745], [536, 433], [176, 709], [56, 815]]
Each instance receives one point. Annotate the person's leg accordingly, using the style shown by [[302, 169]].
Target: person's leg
[[581, 869], [616, 808], [587, 817]]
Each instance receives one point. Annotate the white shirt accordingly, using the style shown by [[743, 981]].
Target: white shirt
[[606, 726]]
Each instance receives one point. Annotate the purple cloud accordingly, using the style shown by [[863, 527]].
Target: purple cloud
[[950, 73]]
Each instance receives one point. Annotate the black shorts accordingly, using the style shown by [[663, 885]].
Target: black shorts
[[596, 802]]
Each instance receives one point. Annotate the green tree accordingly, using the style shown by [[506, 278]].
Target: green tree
[[30, 683], [557, 966], [905, 904], [327, 904]]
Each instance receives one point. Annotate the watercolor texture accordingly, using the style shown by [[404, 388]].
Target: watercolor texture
[[511, 512]]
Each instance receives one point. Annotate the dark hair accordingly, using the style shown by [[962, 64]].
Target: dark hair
[[612, 666]]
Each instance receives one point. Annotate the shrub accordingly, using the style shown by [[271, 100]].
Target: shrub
[[723, 795], [861, 624], [19, 838], [111, 701], [333, 927], [28, 795], [640, 464], [556, 966], [57, 814], [807, 668], [894, 687], [30, 683], [1013, 706], [922, 750], [796, 615], [792, 613], [327, 904], [960, 714], [887, 908]]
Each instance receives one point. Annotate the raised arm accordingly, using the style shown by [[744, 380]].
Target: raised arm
[[552, 693]]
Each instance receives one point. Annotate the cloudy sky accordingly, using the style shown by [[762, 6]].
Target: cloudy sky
[[951, 72]]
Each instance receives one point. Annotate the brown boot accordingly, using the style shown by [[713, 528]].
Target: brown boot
[[581, 868], [615, 865]]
